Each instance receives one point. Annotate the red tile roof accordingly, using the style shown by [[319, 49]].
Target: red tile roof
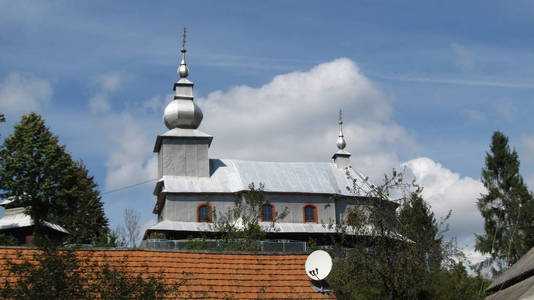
[[207, 275]]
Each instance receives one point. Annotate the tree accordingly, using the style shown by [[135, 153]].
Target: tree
[[126, 235], [507, 207], [37, 172], [417, 222], [389, 254], [239, 227], [132, 226]]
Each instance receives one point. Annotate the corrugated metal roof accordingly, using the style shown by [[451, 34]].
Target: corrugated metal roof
[[523, 290], [523, 265], [366, 230], [208, 227], [230, 176], [16, 218]]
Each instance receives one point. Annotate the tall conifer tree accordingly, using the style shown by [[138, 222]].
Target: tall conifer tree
[[39, 174], [507, 207], [417, 222]]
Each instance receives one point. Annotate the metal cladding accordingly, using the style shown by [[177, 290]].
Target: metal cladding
[[183, 112], [232, 176]]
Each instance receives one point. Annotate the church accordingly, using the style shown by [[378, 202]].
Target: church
[[192, 186]]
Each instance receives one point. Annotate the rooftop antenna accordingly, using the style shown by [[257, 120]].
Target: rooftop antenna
[[318, 265]]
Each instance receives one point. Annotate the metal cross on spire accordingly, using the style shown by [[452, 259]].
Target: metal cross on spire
[[183, 39], [341, 140], [183, 71]]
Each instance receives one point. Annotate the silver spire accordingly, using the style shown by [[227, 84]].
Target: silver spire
[[183, 71], [183, 112], [341, 144]]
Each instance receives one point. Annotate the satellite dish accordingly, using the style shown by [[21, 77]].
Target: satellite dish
[[318, 265]]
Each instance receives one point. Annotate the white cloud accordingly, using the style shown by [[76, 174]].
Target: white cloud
[[99, 103], [294, 118], [130, 160], [463, 57], [157, 103], [23, 93], [108, 83], [475, 115], [446, 190]]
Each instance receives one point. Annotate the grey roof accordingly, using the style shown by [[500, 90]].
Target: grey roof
[[516, 282], [181, 133], [16, 218], [208, 227], [230, 176], [270, 227], [523, 290], [523, 265]]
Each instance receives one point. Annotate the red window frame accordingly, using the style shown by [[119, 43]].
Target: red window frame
[[209, 212], [315, 213]]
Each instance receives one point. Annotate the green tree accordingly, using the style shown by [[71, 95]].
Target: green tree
[[417, 222], [82, 211], [456, 283], [239, 227], [507, 207], [393, 254], [37, 172], [381, 263]]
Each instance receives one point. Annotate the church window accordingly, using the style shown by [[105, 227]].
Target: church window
[[310, 213], [267, 212], [204, 213]]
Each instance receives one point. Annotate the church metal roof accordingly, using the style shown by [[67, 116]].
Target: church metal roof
[[278, 227], [231, 176]]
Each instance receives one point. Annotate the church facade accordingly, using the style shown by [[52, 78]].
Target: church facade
[[192, 186]]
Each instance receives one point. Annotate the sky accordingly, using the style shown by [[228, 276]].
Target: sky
[[422, 84]]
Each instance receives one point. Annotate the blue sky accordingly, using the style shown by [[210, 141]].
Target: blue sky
[[434, 80]]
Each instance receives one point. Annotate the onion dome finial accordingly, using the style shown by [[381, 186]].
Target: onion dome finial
[[182, 111]]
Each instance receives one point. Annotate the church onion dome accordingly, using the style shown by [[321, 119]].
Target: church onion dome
[[182, 111]]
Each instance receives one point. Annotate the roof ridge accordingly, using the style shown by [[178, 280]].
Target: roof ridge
[[104, 249], [275, 162]]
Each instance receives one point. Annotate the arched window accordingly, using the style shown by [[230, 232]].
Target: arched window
[[267, 212], [204, 213], [310, 213]]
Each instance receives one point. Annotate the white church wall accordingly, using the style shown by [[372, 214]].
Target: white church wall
[[184, 207]]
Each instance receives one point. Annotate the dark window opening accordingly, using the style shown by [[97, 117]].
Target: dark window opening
[[267, 213], [310, 213], [204, 213]]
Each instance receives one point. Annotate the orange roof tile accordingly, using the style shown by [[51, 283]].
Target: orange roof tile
[[206, 275]]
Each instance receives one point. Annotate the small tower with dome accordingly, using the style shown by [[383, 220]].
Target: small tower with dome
[[183, 150], [341, 157]]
